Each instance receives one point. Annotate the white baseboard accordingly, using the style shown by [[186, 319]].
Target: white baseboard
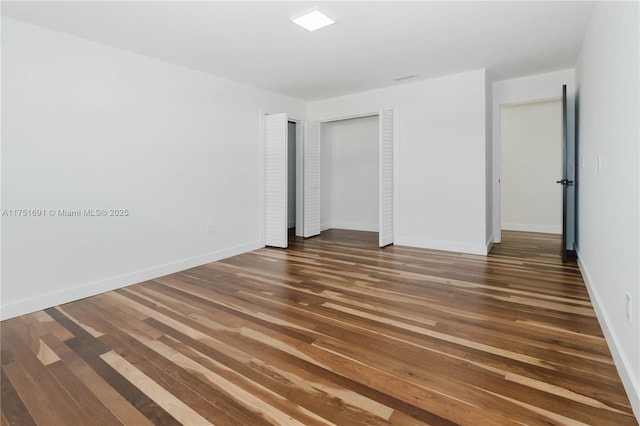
[[454, 246], [489, 244], [351, 226], [527, 227], [623, 365], [27, 306], [325, 226]]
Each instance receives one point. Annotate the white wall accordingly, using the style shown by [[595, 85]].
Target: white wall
[[608, 209], [291, 176], [521, 90], [350, 181], [531, 162], [439, 157], [86, 126]]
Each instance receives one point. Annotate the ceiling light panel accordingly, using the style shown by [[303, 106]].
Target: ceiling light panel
[[313, 20]]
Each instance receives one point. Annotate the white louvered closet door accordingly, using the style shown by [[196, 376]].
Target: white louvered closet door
[[311, 179], [275, 177], [385, 174]]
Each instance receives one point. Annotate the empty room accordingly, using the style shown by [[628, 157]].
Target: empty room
[[329, 213]]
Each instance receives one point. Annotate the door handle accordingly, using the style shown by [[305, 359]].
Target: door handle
[[565, 182]]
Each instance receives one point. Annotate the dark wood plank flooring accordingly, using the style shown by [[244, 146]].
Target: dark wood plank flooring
[[332, 330]]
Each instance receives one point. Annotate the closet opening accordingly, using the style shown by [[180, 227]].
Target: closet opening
[[355, 178], [349, 174]]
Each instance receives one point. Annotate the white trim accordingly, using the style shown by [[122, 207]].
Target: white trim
[[27, 306], [299, 222], [454, 246], [261, 183], [396, 170], [521, 90], [396, 174], [489, 244], [371, 227], [622, 363], [349, 117], [529, 227], [529, 102]]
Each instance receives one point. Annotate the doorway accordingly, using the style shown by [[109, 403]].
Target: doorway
[[350, 174], [284, 195], [308, 175], [386, 175], [531, 160]]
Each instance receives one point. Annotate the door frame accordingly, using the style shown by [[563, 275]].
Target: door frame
[[498, 213], [568, 183], [394, 109], [299, 175], [525, 90], [300, 162]]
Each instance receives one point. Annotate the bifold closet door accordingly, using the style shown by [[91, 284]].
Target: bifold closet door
[[311, 167], [385, 175], [275, 173]]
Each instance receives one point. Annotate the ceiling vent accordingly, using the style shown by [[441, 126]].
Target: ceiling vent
[[406, 77]]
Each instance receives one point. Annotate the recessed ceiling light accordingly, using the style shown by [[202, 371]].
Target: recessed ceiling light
[[313, 20]]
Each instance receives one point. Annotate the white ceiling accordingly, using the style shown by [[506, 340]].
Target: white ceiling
[[371, 43]]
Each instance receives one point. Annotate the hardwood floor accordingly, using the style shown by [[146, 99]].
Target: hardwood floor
[[332, 330]]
